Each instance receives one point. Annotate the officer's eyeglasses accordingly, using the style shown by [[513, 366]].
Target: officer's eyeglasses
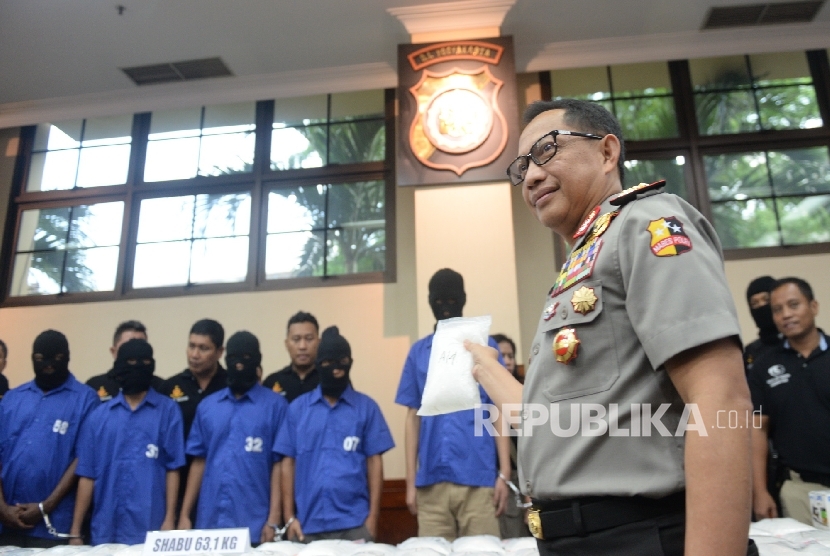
[[540, 153]]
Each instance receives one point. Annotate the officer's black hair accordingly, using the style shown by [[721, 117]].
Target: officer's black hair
[[210, 328], [5, 349], [302, 316], [585, 116], [800, 283], [499, 338], [128, 325]]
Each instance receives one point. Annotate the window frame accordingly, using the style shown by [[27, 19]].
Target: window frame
[[257, 182]]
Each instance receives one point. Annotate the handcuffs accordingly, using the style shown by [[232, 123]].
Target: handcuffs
[[280, 531], [520, 503], [51, 528]]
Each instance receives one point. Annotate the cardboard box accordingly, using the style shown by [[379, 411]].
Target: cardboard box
[[819, 506]]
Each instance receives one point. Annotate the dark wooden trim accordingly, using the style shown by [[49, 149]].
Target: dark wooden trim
[[395, 523], [777, 251]]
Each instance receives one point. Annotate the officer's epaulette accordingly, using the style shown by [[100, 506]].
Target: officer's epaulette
[[631, 193]]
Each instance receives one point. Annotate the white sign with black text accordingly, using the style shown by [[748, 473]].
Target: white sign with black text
[[197, 541]]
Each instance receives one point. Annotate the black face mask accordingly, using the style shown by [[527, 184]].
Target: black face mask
[[333, 353], [243, 360], [767, 330], [134, 367], [52, 367], [329, 384], [446, 294]]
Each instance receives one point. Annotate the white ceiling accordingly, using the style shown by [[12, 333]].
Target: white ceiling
[[60, 56]]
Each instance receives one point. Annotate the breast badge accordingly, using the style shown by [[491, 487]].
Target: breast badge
[[584, 300], [667, 237], [565, 345], [550, 310]]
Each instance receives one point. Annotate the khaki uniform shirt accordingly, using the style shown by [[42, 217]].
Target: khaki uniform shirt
[[647, 288]]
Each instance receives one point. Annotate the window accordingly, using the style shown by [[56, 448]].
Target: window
[[80, 153], [747, 143], [206, 141], [193, 239], [326, 230], [735, 94], [672, 169], [770, 198], [311, 132], [639, 95], [196, 210], [67, 249]]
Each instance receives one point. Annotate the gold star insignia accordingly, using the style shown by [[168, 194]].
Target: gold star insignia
[[584, 300]]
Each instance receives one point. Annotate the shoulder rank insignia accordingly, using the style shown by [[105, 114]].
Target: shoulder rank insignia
[[565, 345], [667, 237], [586, 223], [584, 300], [630, 194], [602, 223]]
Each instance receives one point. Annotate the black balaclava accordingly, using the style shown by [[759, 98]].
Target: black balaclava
[[134, 366], [333, 349], [243, 358], [50, 344], [762, 316], [444, 285]]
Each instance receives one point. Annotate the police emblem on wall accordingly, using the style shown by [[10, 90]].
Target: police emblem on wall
[[458, 116]]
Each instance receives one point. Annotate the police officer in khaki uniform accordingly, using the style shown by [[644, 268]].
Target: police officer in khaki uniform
[[635, 355]]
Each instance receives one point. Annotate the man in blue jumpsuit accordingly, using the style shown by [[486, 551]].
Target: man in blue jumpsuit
[[129, 454], [39, 424], [452, 474], [234, 473], [332, 443]]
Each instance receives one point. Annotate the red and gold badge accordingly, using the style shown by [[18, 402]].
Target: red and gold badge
[[667, 237], [584, 300], [565, 345]]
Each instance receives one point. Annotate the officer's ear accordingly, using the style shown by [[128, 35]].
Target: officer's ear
[[611, 147]]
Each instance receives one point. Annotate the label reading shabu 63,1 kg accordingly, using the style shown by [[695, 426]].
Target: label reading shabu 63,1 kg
[[196, 541]]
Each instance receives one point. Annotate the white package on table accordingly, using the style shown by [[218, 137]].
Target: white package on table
[[280, 548], [450, 384], [439, 545], [477, 544]]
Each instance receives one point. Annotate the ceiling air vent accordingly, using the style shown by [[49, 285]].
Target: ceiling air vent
[[762, 14], [177, 71]]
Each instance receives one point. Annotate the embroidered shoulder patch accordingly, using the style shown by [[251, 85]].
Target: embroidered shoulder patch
[[628, 195], [667, 237]]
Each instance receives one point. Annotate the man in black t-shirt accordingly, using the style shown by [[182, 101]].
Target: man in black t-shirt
[[790, 386], [203, 375], [300, 376]]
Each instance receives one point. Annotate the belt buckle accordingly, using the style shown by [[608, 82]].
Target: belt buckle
[[534, 523]]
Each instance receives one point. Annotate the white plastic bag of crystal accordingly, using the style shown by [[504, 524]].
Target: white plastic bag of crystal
[[450, 384]]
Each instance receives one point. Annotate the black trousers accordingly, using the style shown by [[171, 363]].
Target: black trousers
[[11, 538], [662, 536]]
